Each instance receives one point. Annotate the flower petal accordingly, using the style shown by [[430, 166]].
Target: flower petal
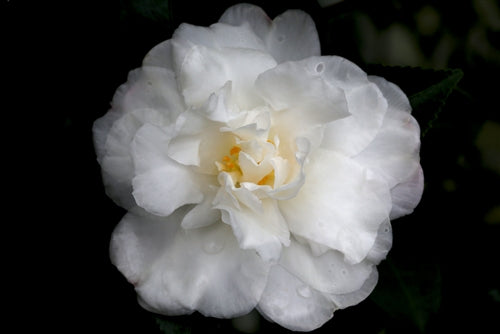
[[355, 297], [246, 13], [407, 194], [328, 272], [339, 205], [257, 223], [204, 71], [293, 36], [352, 134], [302, 95], [382, 245], [205, 270], [203, 214], [138, 241], [160, 56], [112, 141], [161, 185], [293, 304]]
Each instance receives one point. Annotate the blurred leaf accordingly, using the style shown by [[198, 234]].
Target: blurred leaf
[[434, 97], [170, 327], [413, 294], [152, 10]]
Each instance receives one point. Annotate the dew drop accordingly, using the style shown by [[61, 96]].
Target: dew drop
[[320, 68], [304, 291], [213, 246]]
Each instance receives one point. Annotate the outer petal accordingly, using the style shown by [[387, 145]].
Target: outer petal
[[301, 98], [160, 56], [293, 36], [205, 270], [328, 272], [293, 304], [290, 36], [406, 195], [138, 241], [205, 71], [353, 298], [339, 205], [161, 185]]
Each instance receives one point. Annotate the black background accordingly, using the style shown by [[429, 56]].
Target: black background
[[64, 61]]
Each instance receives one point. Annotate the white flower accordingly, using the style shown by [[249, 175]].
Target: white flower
[[256, 173]]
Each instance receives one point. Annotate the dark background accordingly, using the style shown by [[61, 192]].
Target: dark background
[[64, 61]]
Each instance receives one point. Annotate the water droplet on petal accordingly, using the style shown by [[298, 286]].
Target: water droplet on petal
[[213, 246], [320, 67], [304, 291]]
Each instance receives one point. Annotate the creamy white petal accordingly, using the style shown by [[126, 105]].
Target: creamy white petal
[[352, 134], [247, 13], [152, 88], [302, 95], [161, 185], [114, 150], [205, 270], [257, 223], [328, 272], [293, 36], [338, 205], [139, 240], [355, 297], [407, 194], [382, 245], [293, 304], [202, 214], [185, 150], [160, 56], [397, 98], [204, 71]]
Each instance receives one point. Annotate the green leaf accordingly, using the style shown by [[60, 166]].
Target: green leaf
[[412, 294], [434, 97], [151, 10], [428, 90], [170, 327]]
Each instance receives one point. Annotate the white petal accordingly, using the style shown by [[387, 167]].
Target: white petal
[[203, 214], [338, 206], [246, 13], [328, 272], [152, 88], [139, 240], [205, 270], [407, 194], [185, 150], [382, 245], [302, 95], [161, 185], [113, 137], [160, 56], [353, 298], [257, 224], [397, 98], [352, 134], [293, 36], [293, 304], [205, 71], [394, 153]]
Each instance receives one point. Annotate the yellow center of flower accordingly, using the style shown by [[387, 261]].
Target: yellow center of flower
[[230, 162]]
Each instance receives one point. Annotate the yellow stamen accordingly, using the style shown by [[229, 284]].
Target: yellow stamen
[[235, 150], [268, 179]]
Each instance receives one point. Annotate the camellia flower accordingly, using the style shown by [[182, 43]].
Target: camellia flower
[[256, 173]]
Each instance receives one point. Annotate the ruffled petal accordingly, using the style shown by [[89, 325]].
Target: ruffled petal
[[290, 36], [204, 71], [205, 270], [339, 205], [382, 245], [246, 13], [257, 223], [293, 36], [407, 194], [202, 214], [328, 272], [293, 304], [299, 91], [160, 56], [161, 185], [355, 297]]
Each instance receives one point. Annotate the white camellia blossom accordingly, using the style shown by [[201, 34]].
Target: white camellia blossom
[[256, 173]]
